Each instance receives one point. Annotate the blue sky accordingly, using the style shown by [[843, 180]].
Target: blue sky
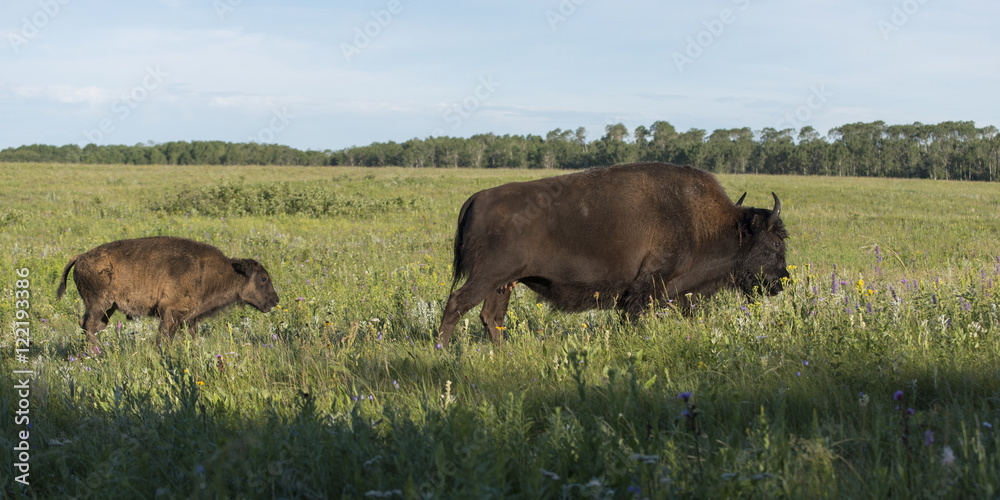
[[328, 75]]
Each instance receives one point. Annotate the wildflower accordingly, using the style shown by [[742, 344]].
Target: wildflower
[[395, 384], [805, 362], [928, 437], [798, 374], [898, 395], [685, 396], [437, 346], [200, 382], [199, 469], [947, 456], [987, 425]]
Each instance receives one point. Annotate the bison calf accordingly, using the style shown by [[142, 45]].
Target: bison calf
[[175, 279]]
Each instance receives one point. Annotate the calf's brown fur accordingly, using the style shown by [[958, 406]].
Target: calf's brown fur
[[175, 279]]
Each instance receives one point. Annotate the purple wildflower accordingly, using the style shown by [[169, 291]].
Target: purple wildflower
[[928, 437], [898, 395], [685, 396]]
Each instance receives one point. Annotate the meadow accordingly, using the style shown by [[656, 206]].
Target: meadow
[[876, 374]]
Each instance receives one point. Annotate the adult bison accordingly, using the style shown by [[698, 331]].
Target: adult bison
[[614, 237], [175, 279]]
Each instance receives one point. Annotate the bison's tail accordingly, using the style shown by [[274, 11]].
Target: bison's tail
[[459, 266], [65, 273]]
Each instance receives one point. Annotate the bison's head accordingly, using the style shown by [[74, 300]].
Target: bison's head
[[257, 290], [761, 263]]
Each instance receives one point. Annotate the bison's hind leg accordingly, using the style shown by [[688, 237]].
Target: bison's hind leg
[[494, 310], [460, 302], [95, 319]]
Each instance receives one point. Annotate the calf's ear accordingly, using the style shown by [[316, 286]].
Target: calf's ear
[[242, 266]]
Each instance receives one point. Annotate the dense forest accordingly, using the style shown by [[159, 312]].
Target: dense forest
[[948, 150]]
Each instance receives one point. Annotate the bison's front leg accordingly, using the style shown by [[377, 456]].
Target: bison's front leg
[[193, 328], [169, 322]]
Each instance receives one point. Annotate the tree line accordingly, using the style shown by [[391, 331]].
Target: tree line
[[947, 150]]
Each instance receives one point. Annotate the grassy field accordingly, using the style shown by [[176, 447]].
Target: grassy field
[[876, 374]]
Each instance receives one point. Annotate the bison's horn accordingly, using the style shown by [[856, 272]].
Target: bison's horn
[[775, 212], [740, 201]]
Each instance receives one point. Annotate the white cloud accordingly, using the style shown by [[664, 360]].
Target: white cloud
[[66, 94]]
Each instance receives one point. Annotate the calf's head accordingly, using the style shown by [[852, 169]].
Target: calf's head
[[761, 267], [257, 290]]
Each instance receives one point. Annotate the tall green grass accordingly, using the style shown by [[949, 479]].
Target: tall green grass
[[340, 391]]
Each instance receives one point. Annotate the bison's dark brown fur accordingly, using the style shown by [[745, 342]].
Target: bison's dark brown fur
[[615, 237], [175, 279]]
